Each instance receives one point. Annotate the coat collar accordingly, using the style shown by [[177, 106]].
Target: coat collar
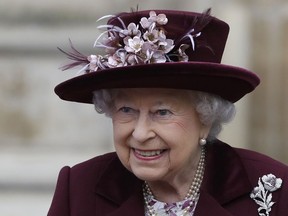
[[225, 179]]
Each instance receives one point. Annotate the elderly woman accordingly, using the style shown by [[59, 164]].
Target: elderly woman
[[162, 84]]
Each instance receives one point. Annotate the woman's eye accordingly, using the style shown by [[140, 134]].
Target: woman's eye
[[125, 109], [163, 112]]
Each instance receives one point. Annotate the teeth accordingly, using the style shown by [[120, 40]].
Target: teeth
[[149, 153]]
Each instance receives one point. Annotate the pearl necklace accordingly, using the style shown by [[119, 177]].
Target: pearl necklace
[[192, 193]]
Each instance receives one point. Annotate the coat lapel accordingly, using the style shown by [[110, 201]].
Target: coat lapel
[[207, 205], [134, 205], [225, 180], [122, 189], [225, 177]]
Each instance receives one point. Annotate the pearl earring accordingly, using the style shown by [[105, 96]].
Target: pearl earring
[[202, 141]]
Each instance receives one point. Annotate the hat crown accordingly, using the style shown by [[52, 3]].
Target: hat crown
[[213, 33]]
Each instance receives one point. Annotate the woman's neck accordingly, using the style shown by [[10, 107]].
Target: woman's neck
[[169, 193], [174, 188]]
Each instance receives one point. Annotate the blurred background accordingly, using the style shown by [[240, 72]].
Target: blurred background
[[39, 133]]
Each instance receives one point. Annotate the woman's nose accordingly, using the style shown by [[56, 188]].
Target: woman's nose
[[143, 129]]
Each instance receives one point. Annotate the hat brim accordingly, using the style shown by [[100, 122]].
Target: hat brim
[[229, 82]]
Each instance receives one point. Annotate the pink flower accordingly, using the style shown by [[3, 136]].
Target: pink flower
[[117, 60], [95, 62], [132, 59], [155, 57], [160, 19], [166, 45], [132, 30]]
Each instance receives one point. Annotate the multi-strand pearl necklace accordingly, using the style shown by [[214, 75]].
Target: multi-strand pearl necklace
[[192, 193]]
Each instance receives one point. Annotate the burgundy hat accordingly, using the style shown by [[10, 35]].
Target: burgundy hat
[[158, 49]]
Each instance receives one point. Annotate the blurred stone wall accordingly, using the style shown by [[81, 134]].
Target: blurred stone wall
[[269, 111], [39, 133]]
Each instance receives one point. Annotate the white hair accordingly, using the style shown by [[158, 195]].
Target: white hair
[[213, 110]]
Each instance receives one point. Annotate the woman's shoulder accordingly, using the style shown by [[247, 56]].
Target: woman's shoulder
[[260, 161], [253, 163], [257, 164], [98, 160], [250, 159], [96, 164]]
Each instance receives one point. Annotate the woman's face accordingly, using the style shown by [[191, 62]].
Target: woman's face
[[156, 132]]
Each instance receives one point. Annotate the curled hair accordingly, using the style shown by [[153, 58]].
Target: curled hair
[[213, 110], [103, 101]]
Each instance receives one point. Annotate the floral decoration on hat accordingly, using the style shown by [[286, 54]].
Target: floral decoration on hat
[[262, 194], [145, 42]]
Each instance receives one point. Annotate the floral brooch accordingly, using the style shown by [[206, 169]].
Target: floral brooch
[[144, 42], [262, 194]]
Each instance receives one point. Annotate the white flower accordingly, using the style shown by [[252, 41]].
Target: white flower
[[162, 19], [151, 35], [152, 16], [255, 193], [134, 44], [262, 194], [271, 183], [162, 35], [145, 23]]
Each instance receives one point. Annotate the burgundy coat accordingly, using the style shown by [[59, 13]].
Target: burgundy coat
[[102, 186]]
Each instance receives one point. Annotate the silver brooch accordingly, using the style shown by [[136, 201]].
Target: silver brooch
[[262, 194]]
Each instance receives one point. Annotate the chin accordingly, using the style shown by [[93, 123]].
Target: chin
[[147, 174]]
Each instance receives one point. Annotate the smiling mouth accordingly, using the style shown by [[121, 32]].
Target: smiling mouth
[[152, 153]]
